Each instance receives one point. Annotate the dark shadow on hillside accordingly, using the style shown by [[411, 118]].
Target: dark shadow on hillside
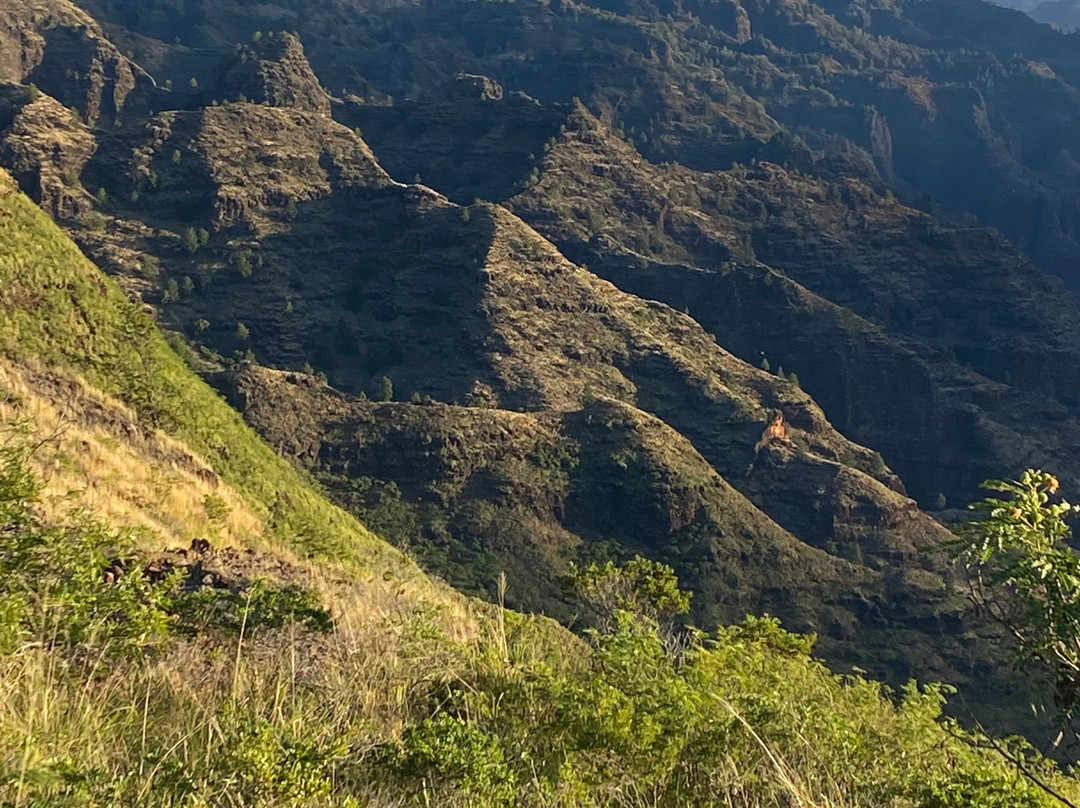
[[465, 148]]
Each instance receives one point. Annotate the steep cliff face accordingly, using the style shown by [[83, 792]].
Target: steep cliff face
[[62, 50], [46, 147], [272, 71], [22, 33], [465, 146]]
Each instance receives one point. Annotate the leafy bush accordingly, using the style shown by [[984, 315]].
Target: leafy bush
[[217, 509], [646, 589], [264, 763], [745, 719], [445, 755], [1026, 576], [260, 605], [74, 585]]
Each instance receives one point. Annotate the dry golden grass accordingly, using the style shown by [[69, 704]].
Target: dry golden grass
[[93, 453]]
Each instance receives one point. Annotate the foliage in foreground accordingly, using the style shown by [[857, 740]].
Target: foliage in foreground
[[1026, 576], [80, 588], [389, 711]]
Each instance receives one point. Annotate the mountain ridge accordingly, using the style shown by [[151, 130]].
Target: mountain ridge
[[246, 209]]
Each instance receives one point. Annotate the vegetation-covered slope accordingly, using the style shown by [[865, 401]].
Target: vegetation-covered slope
[[213, 676], [290, 246], [295, 658]]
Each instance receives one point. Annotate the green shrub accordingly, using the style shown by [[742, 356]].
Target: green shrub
[[264, 763], [190, 240], [386, 389], [648, 590], [446, 755], [257, 606], [1025, 574], [71, 586]]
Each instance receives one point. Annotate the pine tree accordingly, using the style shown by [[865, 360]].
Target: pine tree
[[386, 389], [190, 240]]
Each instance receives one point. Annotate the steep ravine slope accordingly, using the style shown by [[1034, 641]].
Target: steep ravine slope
[[942, 347], [480, 489]]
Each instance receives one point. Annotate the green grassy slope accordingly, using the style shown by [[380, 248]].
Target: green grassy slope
[[59, 309]]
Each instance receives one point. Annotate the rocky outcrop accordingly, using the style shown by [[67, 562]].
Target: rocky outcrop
[[22, 33], [272, 71], [46, 148], [238, 162], [466, 86], [62, 50]]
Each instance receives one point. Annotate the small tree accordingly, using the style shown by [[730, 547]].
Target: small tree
[[204, 236], [877, 463], [190, 240], [102, 195], [645, 589], [243, 264], [177, 157], [386, 389], [242, 332], [1024, 575]]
